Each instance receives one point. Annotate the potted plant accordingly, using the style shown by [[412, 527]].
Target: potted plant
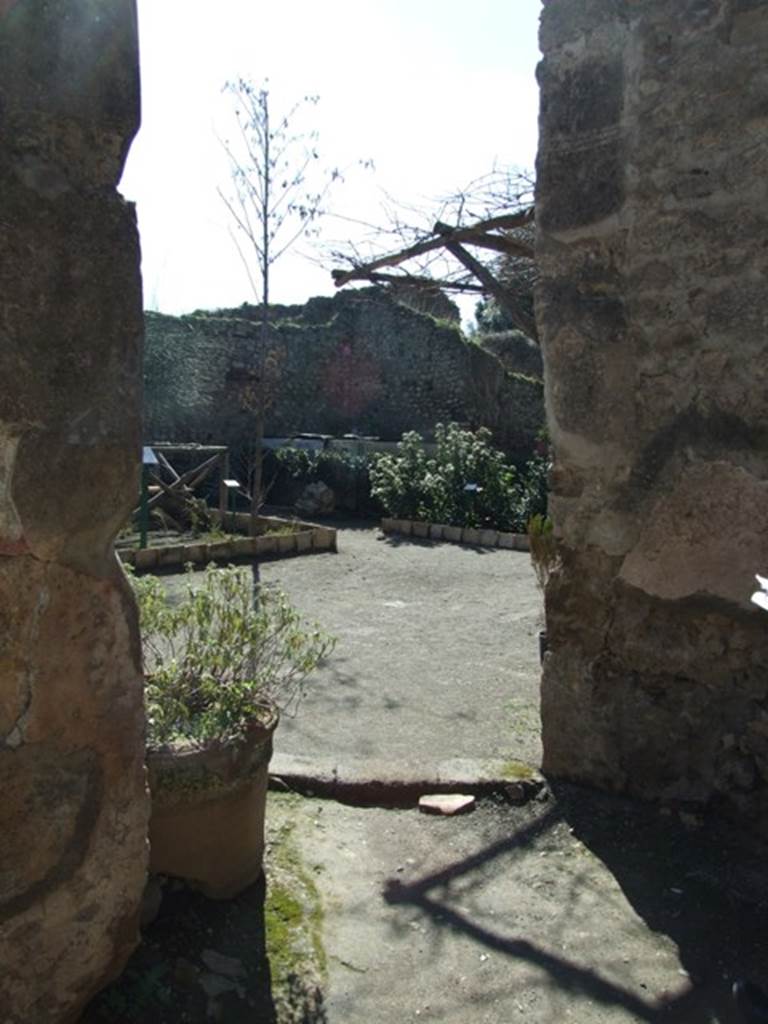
[[220, 664], [545, 558]]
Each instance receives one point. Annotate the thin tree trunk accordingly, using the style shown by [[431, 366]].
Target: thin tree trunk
[[258, 462], [258, 455]]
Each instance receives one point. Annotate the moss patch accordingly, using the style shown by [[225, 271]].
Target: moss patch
[[517, 771], [293, 917], [275, 935]]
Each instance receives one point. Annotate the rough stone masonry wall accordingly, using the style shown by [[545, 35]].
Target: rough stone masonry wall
[[358, 361], [652, 212], [73, 806]]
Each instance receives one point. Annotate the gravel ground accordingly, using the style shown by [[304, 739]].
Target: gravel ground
[[437, 653]]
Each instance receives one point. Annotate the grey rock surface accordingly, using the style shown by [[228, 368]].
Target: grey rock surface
[[73, 815], [652, 218]]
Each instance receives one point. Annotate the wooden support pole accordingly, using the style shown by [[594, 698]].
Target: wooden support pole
[[166, 465], [144, 507], [496, 289], [223, 475]]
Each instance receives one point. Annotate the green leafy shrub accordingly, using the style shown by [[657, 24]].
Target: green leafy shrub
[[401, 482], [345, 472], [465, 483], [221, 658], [321, 464], [298, 463], [200, 516], [534, 488]]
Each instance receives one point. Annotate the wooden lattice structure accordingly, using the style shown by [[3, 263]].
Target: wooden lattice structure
[[214, 457]]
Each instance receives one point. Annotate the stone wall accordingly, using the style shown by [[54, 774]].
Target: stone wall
[[73, 811], [652, 220], [356, 362], [515, 351]]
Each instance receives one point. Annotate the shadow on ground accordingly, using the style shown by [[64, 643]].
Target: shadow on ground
[[582, 907], [397, 540], [695, 884], [206, 960], [338, 521], [694, 879], [167, 978]]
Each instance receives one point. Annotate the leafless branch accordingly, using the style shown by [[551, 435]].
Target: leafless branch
[[492, 214]]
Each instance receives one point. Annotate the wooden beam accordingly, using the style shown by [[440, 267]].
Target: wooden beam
[[166, 464], [497, 290], [412, 281], [499, 243], [191, 477], [437, 241], [223, 475], [202, 449]]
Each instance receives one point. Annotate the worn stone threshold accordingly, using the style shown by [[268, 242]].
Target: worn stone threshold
[[457, 534], [369, 783]]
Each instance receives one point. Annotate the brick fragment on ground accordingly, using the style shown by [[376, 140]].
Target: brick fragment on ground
[[447, 803]]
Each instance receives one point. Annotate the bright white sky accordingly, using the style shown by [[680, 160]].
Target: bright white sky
[[435, 92]]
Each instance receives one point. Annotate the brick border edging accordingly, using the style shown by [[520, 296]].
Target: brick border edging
[[308, 539], [457, 534]]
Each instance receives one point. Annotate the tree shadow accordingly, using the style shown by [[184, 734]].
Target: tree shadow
[[699, 887], [697, 880], [339, 521], [401, 540]]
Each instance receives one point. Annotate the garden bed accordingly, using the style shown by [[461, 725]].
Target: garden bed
[[457, 534], [275, 538]]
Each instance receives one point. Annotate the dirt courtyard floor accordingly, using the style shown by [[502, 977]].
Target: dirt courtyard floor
[[572, 907], [580, 908], [437, 653], [576, 908]]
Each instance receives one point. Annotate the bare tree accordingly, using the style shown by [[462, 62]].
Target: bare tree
[[276, 197], [431, 248]]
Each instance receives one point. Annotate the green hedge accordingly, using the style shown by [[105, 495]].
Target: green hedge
[[465, 482]]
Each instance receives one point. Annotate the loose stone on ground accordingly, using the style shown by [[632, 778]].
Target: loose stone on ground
[[447, 803]]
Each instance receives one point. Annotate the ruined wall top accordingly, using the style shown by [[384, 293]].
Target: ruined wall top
[[357, 361]]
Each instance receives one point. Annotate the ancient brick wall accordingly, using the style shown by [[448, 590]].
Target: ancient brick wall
[[355, 362], [652, 221]]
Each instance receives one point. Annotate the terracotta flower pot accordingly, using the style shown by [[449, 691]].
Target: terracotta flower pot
[[208, 804]]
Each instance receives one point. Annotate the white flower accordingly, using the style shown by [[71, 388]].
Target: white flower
[[761, 596]]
